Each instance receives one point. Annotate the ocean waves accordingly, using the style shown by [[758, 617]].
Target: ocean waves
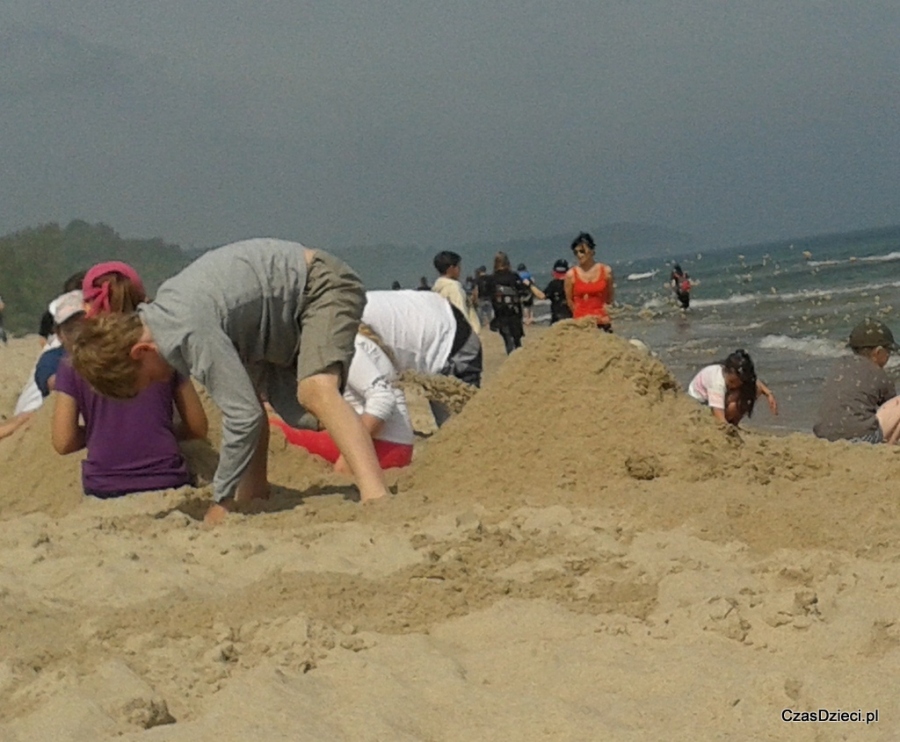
[[814, 347]]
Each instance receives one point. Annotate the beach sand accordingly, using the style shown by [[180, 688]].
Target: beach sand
[[580, 554]]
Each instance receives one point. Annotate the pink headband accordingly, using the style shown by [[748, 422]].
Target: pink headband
[[97, 297]]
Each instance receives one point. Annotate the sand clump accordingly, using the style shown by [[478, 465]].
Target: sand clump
[[446, 390], [33, 478]]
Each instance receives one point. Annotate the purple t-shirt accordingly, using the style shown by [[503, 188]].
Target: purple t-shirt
[[131, 444]]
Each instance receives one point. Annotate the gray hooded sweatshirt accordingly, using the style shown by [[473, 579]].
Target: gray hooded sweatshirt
[[231, 320]]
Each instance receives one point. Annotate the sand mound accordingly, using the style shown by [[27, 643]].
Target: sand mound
[[583, 418], [17, 361], [572, 410], [33, 477]]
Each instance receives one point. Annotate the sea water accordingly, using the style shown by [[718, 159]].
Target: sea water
[[790, 304]]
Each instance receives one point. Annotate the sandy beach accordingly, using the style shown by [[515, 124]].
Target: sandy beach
[[582, 553]]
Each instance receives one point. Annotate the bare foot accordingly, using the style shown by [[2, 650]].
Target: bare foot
[[218, 512]]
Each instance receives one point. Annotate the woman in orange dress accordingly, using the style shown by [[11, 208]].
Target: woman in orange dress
[[589, 285]]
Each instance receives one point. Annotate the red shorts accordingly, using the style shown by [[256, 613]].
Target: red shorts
[[319, 442]]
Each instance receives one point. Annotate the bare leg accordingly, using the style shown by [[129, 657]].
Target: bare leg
[[320, 395], [889, 420]]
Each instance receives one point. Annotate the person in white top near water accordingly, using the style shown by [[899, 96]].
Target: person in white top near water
[[730, 388]]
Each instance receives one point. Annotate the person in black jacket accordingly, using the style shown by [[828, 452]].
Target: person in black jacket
[[556, 292], [506, 289]]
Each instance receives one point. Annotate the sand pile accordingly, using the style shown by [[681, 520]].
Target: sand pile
[[33, 477], [446, 390], [17, 361], [583, 418], [572, 411]]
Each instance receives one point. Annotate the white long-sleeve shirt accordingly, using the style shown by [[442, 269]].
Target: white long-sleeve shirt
[[370, 390]]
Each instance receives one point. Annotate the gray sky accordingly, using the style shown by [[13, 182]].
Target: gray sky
[[408, 121]]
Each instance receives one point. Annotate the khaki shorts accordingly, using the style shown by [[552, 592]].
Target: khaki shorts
[[334, 303]]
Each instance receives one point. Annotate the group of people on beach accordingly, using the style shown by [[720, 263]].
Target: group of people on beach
[[504, 298], [285, 336], [280, 335]]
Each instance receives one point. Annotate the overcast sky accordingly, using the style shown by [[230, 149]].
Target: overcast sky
[[409, 121]]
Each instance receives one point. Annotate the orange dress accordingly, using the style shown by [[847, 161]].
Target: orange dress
[[591, 297]]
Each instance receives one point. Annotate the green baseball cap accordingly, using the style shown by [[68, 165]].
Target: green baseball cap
[[870, 333]]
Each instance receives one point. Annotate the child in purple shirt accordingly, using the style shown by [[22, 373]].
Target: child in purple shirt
[[131, 444]]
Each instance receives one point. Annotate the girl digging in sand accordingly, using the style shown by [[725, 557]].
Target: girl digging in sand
[[132, 445], [380, 404], [730, 388]]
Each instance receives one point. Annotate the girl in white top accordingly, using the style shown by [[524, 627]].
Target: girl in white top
[[730, 388], [381, 405]]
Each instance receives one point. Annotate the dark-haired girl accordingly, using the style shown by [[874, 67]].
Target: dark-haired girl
[[730, 388]]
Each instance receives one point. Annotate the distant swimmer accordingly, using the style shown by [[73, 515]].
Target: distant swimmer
[[681, 285], [730, 388]]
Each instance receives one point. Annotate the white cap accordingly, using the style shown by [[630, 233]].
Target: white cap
[[66, 306]]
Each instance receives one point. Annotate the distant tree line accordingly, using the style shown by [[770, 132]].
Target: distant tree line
[[36, 261]]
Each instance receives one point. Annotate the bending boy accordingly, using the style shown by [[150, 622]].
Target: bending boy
[[254, 320]]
